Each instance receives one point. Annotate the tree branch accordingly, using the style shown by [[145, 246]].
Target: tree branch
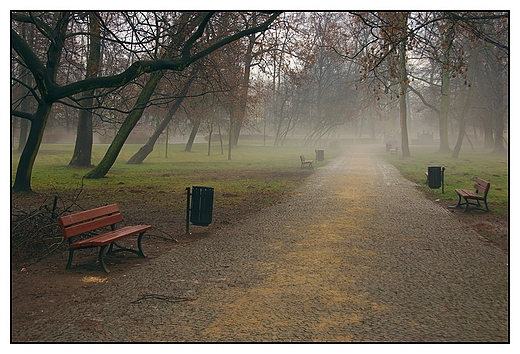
[[55, 92], [435, 109], [260, 28], [21, 114]]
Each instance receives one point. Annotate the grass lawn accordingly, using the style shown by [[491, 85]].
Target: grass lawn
[[459, 173], [267, 169]]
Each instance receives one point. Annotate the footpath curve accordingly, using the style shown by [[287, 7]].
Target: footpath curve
[[358, 255]]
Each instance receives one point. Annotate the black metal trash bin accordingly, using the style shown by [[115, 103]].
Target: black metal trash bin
[[320, 155], [202, 206], [435, 176]]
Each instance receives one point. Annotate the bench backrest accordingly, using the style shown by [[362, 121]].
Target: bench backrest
[[302, 158], [89, 220], [482, 186]]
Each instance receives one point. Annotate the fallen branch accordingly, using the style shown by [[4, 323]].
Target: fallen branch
[[163, 298], [35, 234]]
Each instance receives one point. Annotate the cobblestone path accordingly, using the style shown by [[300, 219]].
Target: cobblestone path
[[359, 255]]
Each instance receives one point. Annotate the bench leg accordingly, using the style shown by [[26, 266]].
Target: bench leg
[[71, 253], [467, 203], [458, 204], [477, 204], [485, 204], [101, 260], [100, 257], [138, 252], [139, 246]]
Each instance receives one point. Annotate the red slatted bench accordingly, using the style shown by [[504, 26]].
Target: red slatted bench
[[75, 225], [305, 162], [480, 186]]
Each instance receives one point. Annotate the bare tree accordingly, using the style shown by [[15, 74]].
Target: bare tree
[[54, 28], [145, 150], [82, 155]]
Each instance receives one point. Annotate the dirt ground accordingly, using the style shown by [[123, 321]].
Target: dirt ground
[[41, 287]]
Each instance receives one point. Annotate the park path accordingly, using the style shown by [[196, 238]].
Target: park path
[[357, 255]]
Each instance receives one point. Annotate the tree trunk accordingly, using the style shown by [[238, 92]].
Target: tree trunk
[[193, 134], [146, 149], [39, 119], [445, 92], [82, 155], [230, 140], [470, 143], [126, 128], [498, 110], [26, 103], [24, 128], [244, 86], [488, 129], [22, 180], [443, 115], [220, 139], [209, 135], [405, 148], [462, 118], [499, 132]]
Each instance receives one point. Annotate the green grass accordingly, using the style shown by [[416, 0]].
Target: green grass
[[459, 173], [251, 168]]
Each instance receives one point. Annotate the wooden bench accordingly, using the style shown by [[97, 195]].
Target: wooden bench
[[305, 162], [87, 222], [393, 151], [480, 186]]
